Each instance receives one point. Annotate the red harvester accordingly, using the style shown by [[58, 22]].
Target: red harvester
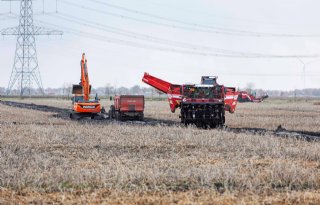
[[127, 107], [203, 104]]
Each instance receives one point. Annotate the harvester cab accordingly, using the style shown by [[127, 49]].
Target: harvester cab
[[209, 80]]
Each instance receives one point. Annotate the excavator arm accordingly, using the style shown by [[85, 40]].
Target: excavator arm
[[85, 78], [84, 87]]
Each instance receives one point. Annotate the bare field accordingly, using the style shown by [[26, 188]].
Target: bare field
[[48, 158], [292, 115]]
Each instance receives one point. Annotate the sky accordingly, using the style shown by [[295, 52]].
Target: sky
[[120, 48]]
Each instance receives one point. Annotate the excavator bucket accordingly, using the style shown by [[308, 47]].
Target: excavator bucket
[[77, 89]]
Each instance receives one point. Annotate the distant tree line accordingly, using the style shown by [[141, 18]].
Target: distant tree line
[[109, 90]]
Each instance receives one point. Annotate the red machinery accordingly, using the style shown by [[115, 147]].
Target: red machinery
[[203, 105], [230, 98], [245, 96], [127, 107], [82, 105]]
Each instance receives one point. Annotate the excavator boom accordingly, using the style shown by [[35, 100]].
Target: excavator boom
[[84, 87], [85, 78], [82, 105]]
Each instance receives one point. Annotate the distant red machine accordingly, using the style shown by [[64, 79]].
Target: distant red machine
[[201, 104], [245, 96], [127, 107]]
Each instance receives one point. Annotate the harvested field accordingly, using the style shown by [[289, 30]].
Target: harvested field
[[45, 157]]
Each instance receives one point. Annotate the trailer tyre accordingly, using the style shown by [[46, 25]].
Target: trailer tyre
[[118, 115], [112, 112], [110, 115], [141, 117]]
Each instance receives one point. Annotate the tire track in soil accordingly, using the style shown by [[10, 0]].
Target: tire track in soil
[[60, 112], [279, 132], [64, 114]]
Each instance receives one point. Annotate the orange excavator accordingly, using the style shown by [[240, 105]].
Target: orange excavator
[[83, 106]]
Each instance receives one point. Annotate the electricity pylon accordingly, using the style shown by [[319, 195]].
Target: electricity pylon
[[25, 69]]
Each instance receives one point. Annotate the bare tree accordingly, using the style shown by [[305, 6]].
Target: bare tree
[[249, 87], [135, 89], [107, 90], [67, 89]]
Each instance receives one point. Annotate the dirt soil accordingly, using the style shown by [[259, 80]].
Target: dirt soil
[[266, 154], [105, 196]]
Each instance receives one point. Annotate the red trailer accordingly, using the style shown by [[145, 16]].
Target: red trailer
[[127, 107]]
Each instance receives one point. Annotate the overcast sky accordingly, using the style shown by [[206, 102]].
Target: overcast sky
[[119, 64]]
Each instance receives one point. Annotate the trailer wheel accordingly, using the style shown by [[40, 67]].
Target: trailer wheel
[[118, 115], [110, 115], [112, 112], [141, 117]]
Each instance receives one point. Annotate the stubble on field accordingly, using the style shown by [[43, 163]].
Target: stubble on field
[[44, 157]]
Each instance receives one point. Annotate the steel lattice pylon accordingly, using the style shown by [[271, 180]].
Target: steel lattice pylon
[[25, 69]]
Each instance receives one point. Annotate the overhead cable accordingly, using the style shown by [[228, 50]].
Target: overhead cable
[[197, 25], [166, 49]]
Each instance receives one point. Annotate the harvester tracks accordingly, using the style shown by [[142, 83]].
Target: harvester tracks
[[64, 114]]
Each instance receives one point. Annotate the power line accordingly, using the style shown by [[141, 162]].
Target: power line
[[16, 16], [226, 30], [188, 27], [270, 74], [246, 20], [9, 16], [144, 37], [128, 43], [144, 20], [166, 49]]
